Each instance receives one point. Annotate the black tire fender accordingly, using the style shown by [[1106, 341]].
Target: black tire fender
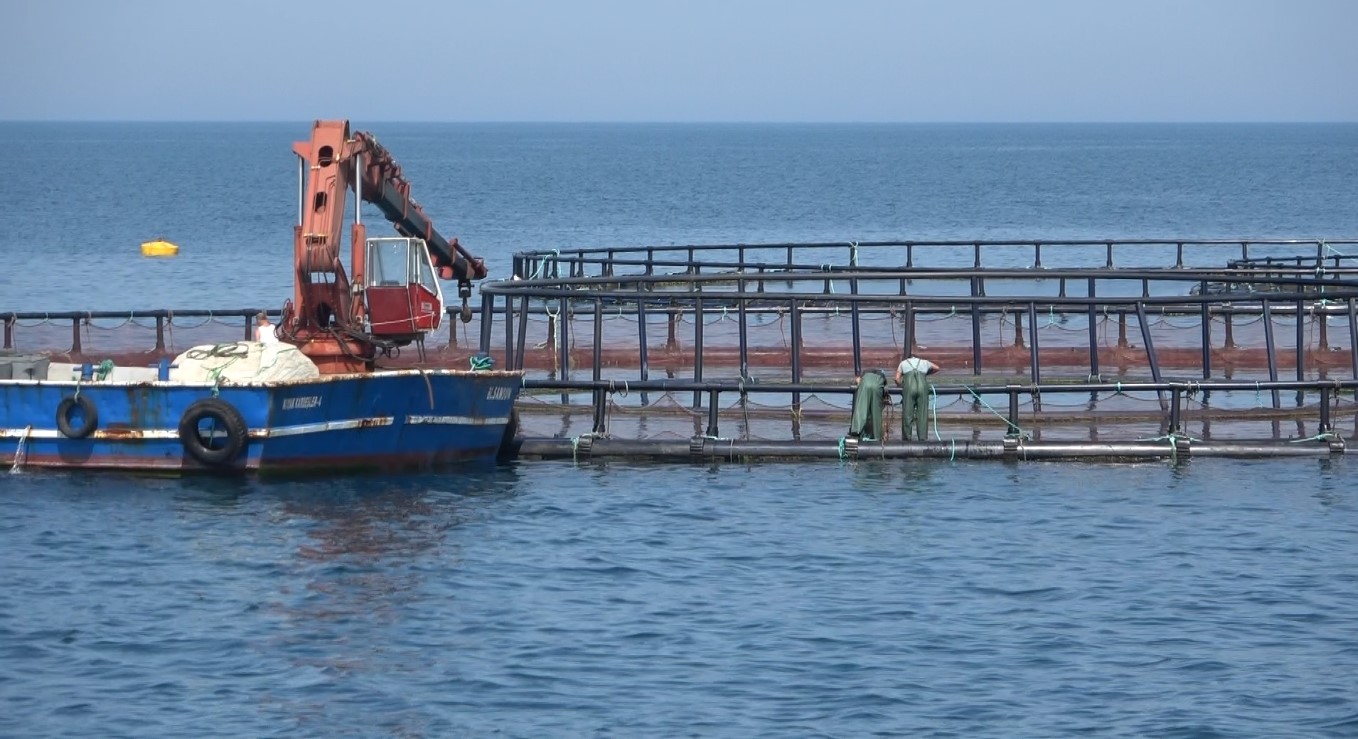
[[226, 417], [87, 410]]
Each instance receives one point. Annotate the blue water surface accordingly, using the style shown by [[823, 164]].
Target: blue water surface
[[1208, 598], [1216, 598]]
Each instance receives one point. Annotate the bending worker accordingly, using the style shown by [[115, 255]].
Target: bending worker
[[911, 376], [869, 394]]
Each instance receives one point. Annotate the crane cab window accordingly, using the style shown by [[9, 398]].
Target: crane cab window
[[388, 262]]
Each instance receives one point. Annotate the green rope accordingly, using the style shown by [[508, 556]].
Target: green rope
[[841, 448], [933, 410], [1326, 436], [104, 369], [481, 363], [998, 415]]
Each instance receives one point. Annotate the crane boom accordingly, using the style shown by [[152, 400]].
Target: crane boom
[[386, 187], [333, 319]]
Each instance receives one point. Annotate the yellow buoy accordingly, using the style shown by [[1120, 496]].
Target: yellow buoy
[[159, 248]]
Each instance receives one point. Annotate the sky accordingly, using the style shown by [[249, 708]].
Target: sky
[[680, 60]]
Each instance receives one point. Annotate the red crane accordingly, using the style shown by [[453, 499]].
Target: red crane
[[393, 297]]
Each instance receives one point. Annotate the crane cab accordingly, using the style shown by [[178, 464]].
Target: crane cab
[[403, 296]]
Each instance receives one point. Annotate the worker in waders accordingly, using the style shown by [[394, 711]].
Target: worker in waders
[[869, 394], [912, 377]]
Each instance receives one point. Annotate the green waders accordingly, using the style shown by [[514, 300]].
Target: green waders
[[867, 407], [914, 405]]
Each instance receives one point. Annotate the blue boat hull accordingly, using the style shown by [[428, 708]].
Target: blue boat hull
[[402, 419]]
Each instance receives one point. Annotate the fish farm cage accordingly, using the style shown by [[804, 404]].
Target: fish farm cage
[[1121, 349]]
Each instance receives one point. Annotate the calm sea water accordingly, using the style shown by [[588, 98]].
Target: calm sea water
[[1208, 599]]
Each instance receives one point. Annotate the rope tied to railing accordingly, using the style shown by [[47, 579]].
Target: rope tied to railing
[[997, 414]]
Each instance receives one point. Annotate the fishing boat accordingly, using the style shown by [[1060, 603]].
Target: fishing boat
[[307, 396]]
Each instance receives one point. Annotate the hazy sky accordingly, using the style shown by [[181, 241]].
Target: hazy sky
[[672, 60]]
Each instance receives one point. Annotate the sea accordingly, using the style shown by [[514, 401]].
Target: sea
[[1189, 598]]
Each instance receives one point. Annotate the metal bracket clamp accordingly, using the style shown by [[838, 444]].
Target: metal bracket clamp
[[1011, 446], [695, 447], [1336, 444], [583, 446], [1183, 446], [851, 448]]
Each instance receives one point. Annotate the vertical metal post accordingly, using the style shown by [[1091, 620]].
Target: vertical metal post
[[1206, 333], [1013, 412], [641, 339], [1094, 371], [1229, 316], [796, 319], [160, 334], [1175, 402], [975, 330], [712, 412], [9, 333], [1146, 338], [249, 328], [1272, 350], [697, 349], [509, 331], [521, 342], [857, 330], [598, 358], [358, 190], [908, 329], [75, 335], [600, 410], [301, 189], [1353, 337], [1325, 426], [1301, 340], [1034, 362], [563, 346], [487, 321], [744, 329]]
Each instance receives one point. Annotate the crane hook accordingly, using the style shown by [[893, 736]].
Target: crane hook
[[464, 291]]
